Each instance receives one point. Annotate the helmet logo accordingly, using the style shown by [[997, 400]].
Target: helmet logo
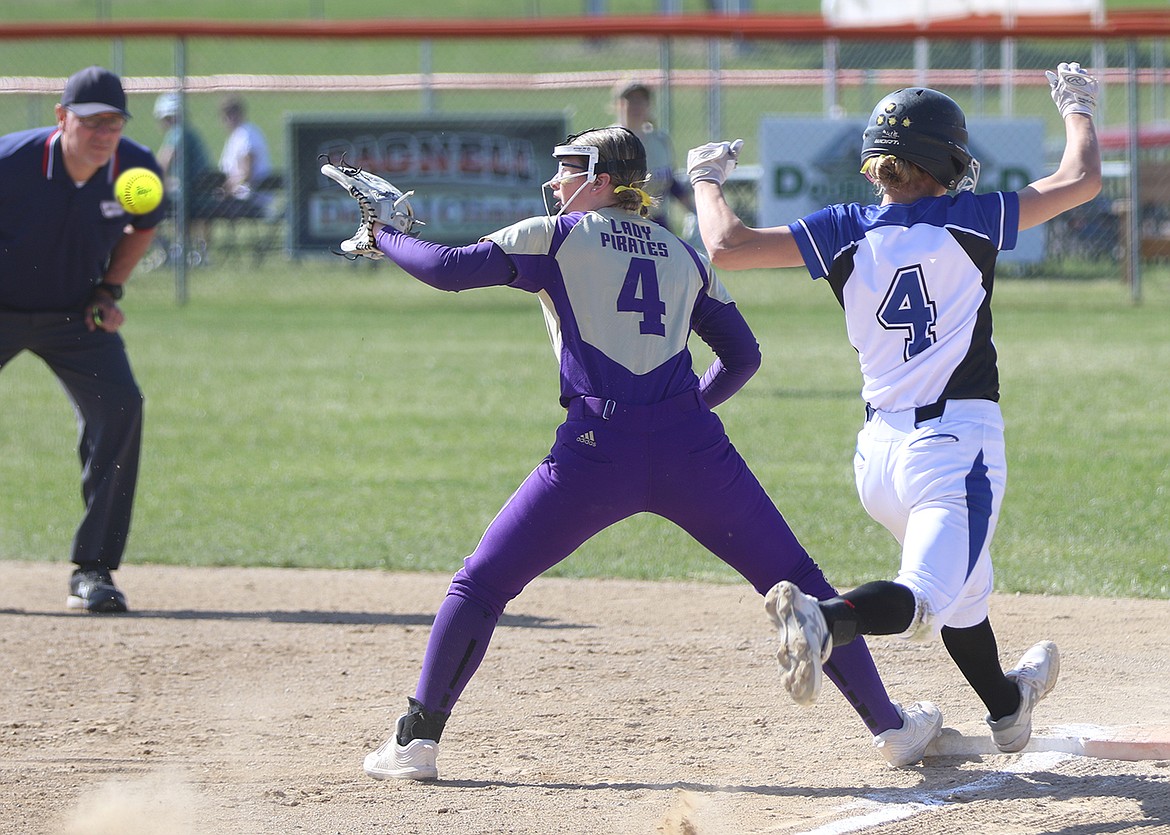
[[922, 126]]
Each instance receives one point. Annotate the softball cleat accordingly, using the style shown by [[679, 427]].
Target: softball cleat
[[413, 761], [1035, 675], [921, 723], [805, 642]]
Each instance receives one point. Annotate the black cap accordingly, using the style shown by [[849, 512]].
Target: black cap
[[94, 90], [632, 87]]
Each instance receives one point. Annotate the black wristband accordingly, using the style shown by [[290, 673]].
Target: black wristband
[[116, 291]]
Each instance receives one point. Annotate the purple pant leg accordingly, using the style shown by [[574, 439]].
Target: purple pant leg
[[705, 487], [711, 493], [700, 483], [572, 495]]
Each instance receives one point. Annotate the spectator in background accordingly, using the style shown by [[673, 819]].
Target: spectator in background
[[245, 163], [182, 150], [633, 106]]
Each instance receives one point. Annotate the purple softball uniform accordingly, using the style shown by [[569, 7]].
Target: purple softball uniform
[[620, 296]]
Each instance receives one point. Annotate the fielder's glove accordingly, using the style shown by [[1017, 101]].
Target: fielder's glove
[[713, 162], [1073, 90], [378, 200]]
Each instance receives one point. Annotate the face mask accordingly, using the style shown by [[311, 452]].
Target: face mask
[[971, 178], [590, 174]]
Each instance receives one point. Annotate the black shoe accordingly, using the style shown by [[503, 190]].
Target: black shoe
[[94, 591]]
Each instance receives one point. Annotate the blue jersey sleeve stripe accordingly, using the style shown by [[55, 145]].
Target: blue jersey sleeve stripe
[[806, 242], [1002, 221]]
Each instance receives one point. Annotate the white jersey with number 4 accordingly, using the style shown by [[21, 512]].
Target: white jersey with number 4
[[915, 281]]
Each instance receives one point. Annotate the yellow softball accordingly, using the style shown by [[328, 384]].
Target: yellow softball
[[139, 190]]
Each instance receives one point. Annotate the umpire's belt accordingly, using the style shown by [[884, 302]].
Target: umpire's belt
[[633, 416], [921, 413]]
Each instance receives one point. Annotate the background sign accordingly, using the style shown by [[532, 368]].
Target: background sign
[[472, 174], [812, 163], [886, 13]]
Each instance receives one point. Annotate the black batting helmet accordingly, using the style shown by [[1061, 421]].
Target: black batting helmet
[[923, 126]]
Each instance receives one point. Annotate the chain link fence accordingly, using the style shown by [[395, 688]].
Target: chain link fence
[[404, 104]]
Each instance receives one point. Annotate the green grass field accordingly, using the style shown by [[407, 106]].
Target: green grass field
[[318, 413]]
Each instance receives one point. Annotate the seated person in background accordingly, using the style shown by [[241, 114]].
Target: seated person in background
[[183, 149], [245, 163]]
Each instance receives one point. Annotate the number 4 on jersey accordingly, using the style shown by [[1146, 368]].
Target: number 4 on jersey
[[643, 274], [907, 307]]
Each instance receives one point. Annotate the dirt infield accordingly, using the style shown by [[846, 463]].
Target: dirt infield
[[243, 700]]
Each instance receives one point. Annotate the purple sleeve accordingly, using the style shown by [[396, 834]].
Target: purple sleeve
[[447, 267], [737, 354]]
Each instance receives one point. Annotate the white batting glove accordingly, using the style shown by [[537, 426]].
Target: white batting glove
[[1073, 90], [713, 162]]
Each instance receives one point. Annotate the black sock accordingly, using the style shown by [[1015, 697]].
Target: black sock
[[976, 654], [841, 617], [419, 723], [882, 607]]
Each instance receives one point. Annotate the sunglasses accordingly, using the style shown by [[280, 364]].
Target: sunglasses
[[107, 121]]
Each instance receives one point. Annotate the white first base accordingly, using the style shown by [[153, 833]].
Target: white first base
[[1128, 742]]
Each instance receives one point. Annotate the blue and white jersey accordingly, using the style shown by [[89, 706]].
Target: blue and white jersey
[[915, 282]]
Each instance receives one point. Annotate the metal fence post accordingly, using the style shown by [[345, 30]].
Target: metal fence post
[[427, 71], [1133, 271], [1007, 51], [830, 104], [714, 90], [182, 241], [664, 98], [978, 66]]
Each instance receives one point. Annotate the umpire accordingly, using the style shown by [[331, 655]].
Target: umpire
[[67, 248]]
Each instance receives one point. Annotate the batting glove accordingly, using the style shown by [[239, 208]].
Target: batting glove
[[1073, 90], [713, 162]]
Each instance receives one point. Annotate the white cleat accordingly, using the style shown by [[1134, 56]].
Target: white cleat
[[1035, 675], [805, 643], [413, 761], [921, 723]]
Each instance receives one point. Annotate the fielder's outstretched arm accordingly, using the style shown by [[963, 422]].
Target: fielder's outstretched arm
[[452, 268]]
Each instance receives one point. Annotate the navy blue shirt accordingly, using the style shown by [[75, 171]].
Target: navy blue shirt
[[55, 236]]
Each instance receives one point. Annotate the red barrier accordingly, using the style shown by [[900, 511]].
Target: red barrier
[[1135, 23]]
